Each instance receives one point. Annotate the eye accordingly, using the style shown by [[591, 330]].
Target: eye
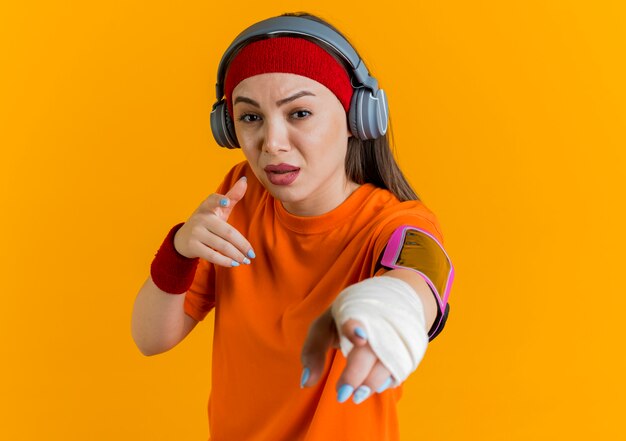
[[248, 118], [300, 114]]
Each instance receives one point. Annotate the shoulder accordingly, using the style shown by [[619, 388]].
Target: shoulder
[[390, 214]]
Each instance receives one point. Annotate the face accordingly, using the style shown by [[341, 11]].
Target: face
[[294, 133]]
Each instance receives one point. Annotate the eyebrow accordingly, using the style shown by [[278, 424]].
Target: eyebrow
[[295, 96]]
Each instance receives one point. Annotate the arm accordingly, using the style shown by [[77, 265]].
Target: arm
[[410, 255], [373, 365], [159, 322], [421, 289]]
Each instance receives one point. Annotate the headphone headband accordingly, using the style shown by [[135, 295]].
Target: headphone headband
[[368, 115]]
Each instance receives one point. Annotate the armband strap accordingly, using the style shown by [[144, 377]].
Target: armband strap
[[171, 271], [416, 249]]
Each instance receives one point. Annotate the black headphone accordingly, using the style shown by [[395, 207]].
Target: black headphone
[[369, 113]]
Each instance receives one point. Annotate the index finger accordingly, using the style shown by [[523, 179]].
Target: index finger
[[222, 204], [234, 195], [359, 364], [238, 190]]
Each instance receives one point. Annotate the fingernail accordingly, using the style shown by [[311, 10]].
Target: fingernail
[[360, 333], [224, 202], [251, 254], [234, 263], [243, 178], [344, 393], [385, 385], [246, 261], [361, 394], [305, 376]]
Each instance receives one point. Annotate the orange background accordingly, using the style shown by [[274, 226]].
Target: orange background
[[509, 120]]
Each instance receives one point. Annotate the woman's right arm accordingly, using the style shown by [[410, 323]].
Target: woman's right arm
[[159, 321]]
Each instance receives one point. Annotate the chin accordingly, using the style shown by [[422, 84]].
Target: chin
[[283, 194]]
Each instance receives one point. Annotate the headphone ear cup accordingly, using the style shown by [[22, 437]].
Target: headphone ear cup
[[369, 114], [230, 129], [380, 113], [222, 126], [354, 115]]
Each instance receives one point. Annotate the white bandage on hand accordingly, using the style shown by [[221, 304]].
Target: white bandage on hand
[[393, 317]]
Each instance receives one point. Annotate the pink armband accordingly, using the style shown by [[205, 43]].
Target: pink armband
[[417, 250], [171, 271]]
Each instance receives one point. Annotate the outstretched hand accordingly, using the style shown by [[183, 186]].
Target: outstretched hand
[[363, 374]]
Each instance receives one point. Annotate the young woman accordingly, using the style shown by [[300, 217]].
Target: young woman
[[326, 273]]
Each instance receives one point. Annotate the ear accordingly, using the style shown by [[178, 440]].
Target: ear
[[348, 131]]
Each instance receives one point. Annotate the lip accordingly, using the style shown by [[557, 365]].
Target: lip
[[281, 168], [281, 174]]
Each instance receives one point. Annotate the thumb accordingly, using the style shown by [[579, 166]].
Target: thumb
[[354, 331], [321, 337]]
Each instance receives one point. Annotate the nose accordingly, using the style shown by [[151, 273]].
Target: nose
[[276, 137]]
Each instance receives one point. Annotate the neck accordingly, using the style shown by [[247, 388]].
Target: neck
[[322, 203]]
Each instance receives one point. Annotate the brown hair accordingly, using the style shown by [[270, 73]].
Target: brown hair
[[371, 161]]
